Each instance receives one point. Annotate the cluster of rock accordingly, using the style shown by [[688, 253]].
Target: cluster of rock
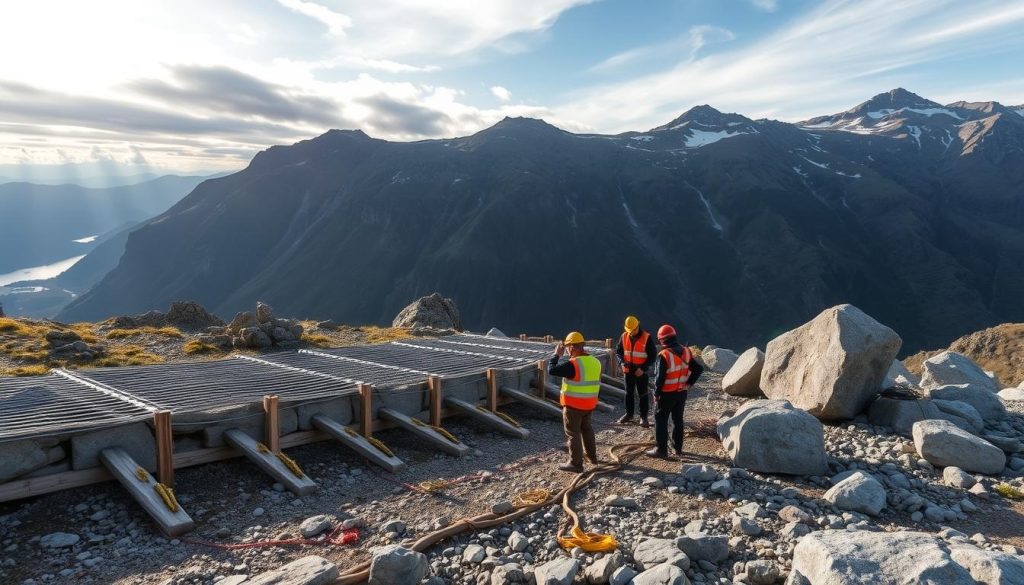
[[432, 312], [185, 315], [255, 330], [65, 344]]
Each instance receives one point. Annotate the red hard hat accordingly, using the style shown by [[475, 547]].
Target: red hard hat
[[666, 331]]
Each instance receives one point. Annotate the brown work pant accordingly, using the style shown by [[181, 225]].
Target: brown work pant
[[579, 434]]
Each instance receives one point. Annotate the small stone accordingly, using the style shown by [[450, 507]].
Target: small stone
[[501, 508], [59, 540], [315, 525]]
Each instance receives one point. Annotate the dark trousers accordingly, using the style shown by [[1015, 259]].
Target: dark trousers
[[636, 387], [670, 404], [579, 434]]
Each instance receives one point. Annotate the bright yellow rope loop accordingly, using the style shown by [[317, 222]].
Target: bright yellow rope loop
[[434, 485], [380, 446], [291, 465], [498, 414], [445, 434], [167, 495], [588, 541], [531, 498]]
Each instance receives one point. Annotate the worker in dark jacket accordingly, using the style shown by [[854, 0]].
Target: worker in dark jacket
[[581, 382], [636, 354], [676, 372]]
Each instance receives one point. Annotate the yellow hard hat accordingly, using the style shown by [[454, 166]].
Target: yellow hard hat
[[631, 324], [573, 338]]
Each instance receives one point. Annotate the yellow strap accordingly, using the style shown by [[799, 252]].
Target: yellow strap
[[291, 465], [167, 495], [380, 446], [141, 474], [588, 541]]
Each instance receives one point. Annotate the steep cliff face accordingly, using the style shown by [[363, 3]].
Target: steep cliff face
[[734, 228]]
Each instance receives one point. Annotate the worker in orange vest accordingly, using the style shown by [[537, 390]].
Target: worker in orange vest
[[676, 372], [636, 354], [581, 382]]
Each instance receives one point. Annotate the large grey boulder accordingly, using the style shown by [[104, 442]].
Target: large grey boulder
[[561, 571], [744, 377], [21, 457], [664, 574], [900, 413], [655, 551], [1012, 394], [989, 567], [961, 414], [773, 437], [191, 316], [719, 360], [432, 311], [831, 366], [951, 368], [704, 547], [986, 402], [942, 444], [860, 492], [311, 570], [136, 439], [898, 376], [495, 332], [397, 565], [840, 557]]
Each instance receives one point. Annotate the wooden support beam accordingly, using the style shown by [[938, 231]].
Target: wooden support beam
[[424, 432], [533, 401], [366, 410], [357, 443], [542, 377], [555, 392], [270, 463], [164, 447], [611, 381], [487, 417], [434, 384], [522, 337], [272, 433], [124, 469], [492, 390], [613, 391]]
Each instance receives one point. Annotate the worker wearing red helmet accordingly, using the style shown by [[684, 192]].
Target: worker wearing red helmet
[[676, 372]]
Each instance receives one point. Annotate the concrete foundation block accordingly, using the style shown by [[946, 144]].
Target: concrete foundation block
[[341, 410], [136, 439]]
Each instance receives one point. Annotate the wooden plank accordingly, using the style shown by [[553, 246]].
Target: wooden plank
[[269, 463], [272, 433], [612, 381], [421, 430], [555, 392], [357, 443], [121, 465], [492, 389], [613, 391], [366, 409], [164, 447], [487, 417], [533, 401], [434, 385], [542, 377]]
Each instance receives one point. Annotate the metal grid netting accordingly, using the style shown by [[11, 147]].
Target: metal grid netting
[[426, 360], [196, 387], [483, 345], [359, 371], [47, 405]]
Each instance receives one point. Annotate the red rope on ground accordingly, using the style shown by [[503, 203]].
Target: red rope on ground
[[337, 537]]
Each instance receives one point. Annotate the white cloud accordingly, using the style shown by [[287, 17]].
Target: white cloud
[[846, 51], [766, 5], [501, 93], [336, 22], [690, 44]]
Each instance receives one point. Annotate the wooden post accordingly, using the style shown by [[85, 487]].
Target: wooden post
[[549, 339], [522, 337], [612, 358], [164, 447], [434, 383], [492, 390], [542, 377], [272, 432], [366, 406]]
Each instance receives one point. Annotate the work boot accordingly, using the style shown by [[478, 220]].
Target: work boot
[[593, 460], [571, 468], [644, 423], [625, 419], [656, 453]]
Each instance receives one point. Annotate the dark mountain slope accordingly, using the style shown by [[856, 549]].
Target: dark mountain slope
[[735, 228]]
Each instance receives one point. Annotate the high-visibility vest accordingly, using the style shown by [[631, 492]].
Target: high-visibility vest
[[678, 370], [635, 352], [580, 391]]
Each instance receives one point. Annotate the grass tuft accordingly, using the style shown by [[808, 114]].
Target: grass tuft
[[376, 334], [22, 371], [1008, 491], [127, 355], [317, 339], [170, 332], [196, 347]]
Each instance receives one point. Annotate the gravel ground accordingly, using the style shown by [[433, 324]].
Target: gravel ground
[[234, 503]]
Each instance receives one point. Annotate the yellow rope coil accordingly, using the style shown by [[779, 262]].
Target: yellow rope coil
[[498, 414], [291, 465], [167, 495], [588, 541], [531, 498], [141, 474], [445, 434], [433, 485], [380, 446]]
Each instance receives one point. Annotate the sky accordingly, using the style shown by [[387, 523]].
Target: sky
[[143, 85]]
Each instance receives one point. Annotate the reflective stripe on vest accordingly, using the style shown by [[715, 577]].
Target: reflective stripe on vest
[[580, 391], [634, 352], [678, 370]]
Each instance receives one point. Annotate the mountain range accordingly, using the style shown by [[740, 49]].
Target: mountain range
[[733, 229]]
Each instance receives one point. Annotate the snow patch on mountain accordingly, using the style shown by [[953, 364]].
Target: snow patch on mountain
[[698, 138]]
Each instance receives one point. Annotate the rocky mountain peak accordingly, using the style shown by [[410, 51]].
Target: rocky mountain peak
[[703, 116], [896, 99]]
